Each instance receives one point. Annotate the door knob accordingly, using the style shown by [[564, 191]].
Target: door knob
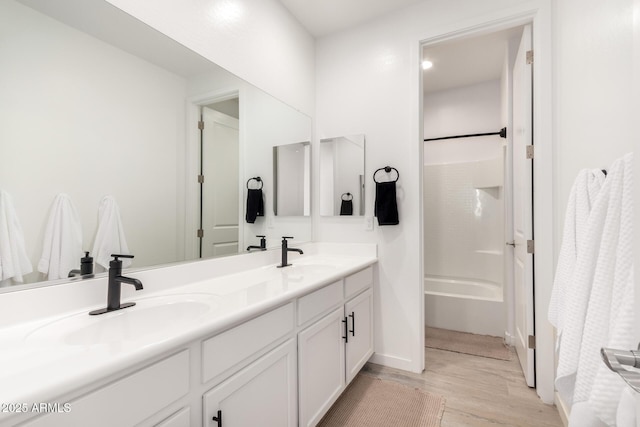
[[615, 359], [511, 244]]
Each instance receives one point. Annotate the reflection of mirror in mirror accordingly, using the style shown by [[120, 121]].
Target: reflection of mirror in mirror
[[99, 114], [292, 177], [342, 176]]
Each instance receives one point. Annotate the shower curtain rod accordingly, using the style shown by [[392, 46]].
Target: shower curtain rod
[[502, 133]]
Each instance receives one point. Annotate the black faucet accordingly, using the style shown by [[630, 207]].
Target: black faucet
[[115, 280], [86, 267], [263, 244], [285, 251]]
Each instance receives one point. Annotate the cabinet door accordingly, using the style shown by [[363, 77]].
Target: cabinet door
[[360, 322], [262, 394], [320, 366]]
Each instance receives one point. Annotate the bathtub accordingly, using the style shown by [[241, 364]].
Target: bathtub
[[465, 305]]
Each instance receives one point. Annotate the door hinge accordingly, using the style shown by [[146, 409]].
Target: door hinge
[[200, 179], [529, 57], [529, 152], [200, 233], [532, 342], [201, 125], [531, 247]]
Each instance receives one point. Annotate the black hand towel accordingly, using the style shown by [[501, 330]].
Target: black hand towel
[[346, 207], [386, 207], [255, 205]]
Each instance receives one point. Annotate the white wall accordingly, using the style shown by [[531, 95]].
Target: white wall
[[84, 118], [258, 41], [367, 82], [465, 110], [595, 120]]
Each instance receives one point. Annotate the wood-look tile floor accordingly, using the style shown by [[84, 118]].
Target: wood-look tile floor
[[479, 391]]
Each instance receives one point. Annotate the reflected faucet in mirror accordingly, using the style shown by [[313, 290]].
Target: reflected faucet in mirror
[[116, 279], [86, 267], [263, 244]]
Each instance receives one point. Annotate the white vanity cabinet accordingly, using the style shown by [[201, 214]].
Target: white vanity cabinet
[[281, 363], [334, 348], [262, 394], [127, 401], [251, 387]]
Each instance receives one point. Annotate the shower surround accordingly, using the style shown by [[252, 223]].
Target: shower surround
[[464, 246]]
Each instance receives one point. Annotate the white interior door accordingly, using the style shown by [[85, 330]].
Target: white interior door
[[522, 207], [220, 163]]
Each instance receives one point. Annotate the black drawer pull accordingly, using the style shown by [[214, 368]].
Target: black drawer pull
[[218, 419], [353, 324], [346, 331]]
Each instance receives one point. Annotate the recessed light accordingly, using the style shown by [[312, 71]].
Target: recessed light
[[426, 64]]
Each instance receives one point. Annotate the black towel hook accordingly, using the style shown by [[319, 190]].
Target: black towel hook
[[348, 195], [258, 179], [387, 169]]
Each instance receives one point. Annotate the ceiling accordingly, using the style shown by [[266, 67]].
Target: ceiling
[[457, 63], [323, 17], [467, 61]]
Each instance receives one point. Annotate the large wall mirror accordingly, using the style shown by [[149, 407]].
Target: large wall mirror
[[95, 103], [342, 176]]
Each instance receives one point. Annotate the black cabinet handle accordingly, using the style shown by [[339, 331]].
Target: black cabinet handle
[[353, 324], [218, 419], [346, 331]]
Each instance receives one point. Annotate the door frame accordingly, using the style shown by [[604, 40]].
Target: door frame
[[192, 167], [538, 14]]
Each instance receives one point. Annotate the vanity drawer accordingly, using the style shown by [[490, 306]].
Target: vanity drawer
[[358, 282], [129, 400], [229, 351], [318, 302], [182, 418]]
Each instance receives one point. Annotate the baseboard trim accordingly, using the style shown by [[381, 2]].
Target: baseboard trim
[[392, 362], [563, 410]]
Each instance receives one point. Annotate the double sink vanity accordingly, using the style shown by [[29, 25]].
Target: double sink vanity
[[230, 341]]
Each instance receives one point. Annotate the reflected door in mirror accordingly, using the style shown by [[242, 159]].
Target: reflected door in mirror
[[220, 159]]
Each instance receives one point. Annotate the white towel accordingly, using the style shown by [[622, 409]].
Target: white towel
[[110, 238], [574, 277], [62, 246], [583, 194], [609, 320], [14, 262], [626, 414]]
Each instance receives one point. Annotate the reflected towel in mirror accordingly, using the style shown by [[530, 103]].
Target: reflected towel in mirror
[[14, 262], [62, 245], [110, 237], [255, 205]]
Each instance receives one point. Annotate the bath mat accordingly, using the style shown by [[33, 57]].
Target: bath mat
[[462, 342], [373, 402]]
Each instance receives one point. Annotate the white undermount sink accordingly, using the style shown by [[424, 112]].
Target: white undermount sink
[[149, 317]]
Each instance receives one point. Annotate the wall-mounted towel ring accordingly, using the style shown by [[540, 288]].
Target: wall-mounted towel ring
[[348, 195], [255, 178], [387, 169]]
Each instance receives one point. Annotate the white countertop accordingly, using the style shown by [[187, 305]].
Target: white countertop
[[48, 358]]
